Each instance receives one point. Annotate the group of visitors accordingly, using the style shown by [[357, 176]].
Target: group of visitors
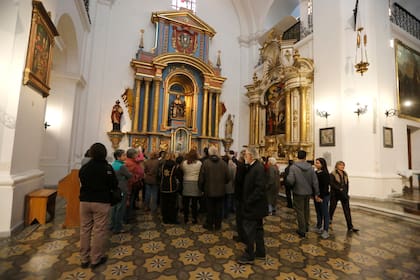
[[246, 186], [306, 183]]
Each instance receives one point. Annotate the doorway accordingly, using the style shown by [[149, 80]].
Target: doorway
[[413, 149]]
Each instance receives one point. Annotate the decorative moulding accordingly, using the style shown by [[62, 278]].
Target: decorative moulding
[[84, 18]]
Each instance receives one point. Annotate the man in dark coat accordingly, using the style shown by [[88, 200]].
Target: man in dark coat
[[214, 175], [255, 208], [241, 168]]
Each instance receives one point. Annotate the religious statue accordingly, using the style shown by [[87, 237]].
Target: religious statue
[[229, 127], [117, 111], [177, 108]]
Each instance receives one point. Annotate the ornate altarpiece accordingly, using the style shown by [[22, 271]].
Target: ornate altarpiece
[[280, 101], [175, 101]]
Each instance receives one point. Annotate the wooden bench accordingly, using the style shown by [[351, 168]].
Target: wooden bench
[[38, 204]]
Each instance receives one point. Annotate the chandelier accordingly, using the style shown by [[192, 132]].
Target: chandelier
[[363, 64]]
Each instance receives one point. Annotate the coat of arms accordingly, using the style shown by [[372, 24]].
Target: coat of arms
[[185, 40]]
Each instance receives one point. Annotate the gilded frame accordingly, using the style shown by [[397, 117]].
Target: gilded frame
[[407, 65], [327, 136], [39, 54], [388, 137], [181, 140]]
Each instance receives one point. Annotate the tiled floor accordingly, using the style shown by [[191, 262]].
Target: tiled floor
[[385, 248]]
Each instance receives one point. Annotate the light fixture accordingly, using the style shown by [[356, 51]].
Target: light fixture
[[360, 109], [46, 125], [323, 114], [363, 64], [391, 112]]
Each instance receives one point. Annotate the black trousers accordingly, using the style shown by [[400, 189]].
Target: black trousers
[[168, 203], [345, 202], [194, 206], [214, 212], [289, 196], [254, 238], [239, 221]]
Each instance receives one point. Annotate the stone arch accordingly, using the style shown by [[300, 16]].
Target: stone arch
[[66, 52], [61, 103]]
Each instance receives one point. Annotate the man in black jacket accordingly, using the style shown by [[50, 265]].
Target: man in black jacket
[[241, 168], [255, 208]]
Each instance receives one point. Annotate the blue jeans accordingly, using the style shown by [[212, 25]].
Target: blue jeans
[[151, 196], [117, 214], [322, 214]]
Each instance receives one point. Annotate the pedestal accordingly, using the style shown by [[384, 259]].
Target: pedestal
[[115, 137], [227, 143]]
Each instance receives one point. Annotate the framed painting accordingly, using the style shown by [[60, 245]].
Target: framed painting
[[181, 140], [39, 55], [388, 137], [327, 136], [407, 64]]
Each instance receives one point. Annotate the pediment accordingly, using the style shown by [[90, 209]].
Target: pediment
[[184, 18]]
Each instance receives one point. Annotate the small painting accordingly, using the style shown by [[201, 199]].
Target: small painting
[[388, 137], [327, 136]]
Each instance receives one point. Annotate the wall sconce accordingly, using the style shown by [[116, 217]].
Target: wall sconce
[[323, 114], [360, 109], [363, 64], [391, 112], [46, 125]]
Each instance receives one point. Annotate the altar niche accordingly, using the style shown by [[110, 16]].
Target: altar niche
[[180, 140], [180, 100]]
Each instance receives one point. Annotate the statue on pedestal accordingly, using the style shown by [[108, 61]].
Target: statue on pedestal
[[177, 108], [229, 127], [116, 114]]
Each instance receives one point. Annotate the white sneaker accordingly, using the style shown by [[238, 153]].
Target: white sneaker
[[325, 234], [317, 229]]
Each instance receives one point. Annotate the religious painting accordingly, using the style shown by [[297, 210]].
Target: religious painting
[[327, 137], [388, 137], [181, 140], [275, 110], [39, 55], [407, 63]]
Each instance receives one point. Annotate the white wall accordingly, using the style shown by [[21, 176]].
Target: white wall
[[359, 140], [22, 114]]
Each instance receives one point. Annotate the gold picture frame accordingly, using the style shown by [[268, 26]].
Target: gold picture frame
[[39, 55], [388, 137], [407, 64], [181, 140]]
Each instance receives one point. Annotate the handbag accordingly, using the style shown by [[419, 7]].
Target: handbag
[[116, 196]]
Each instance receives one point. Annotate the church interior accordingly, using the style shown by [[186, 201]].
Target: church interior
[[338, 79]]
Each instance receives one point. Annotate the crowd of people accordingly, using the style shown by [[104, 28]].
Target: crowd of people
[[244, 185]]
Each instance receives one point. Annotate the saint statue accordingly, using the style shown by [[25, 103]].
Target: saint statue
[[177, 108], [229, 127], [117, 111]]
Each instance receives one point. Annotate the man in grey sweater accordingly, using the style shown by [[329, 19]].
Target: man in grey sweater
[[304, 183]]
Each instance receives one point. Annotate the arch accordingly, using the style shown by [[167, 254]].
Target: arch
[[277, 11], [168, 58], [185, 78], [66, 58]]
